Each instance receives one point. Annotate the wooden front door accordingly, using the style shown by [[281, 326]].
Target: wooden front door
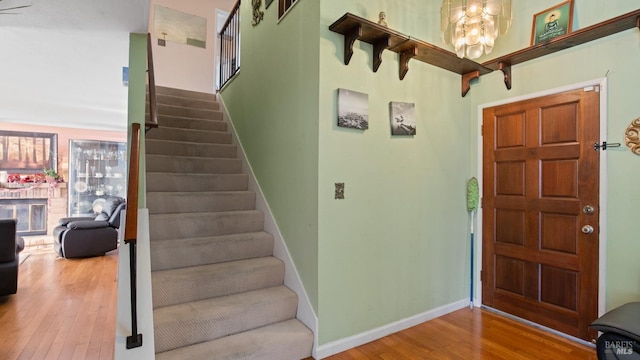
[[540, 195]]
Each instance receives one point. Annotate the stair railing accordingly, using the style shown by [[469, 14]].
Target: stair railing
[[229, 38], [131, 231], [151, 78], [131, 214]]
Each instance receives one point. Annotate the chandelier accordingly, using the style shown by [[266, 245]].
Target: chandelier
[[472, 26]]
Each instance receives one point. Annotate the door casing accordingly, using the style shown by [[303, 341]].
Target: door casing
[[602, 83]]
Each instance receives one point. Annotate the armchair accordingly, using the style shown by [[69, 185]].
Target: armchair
[[76, 237], [10, 246]]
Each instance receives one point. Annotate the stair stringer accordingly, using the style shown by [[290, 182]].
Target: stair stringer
[[292, 279]]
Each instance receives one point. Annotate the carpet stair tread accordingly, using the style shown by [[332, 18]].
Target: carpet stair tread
[[188, 202], [194, 283], [179, 253], [194, 322], [176, 181], [286, 340]]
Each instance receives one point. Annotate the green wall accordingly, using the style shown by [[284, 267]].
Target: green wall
[[397, 245], [136, 101], [274, 107]]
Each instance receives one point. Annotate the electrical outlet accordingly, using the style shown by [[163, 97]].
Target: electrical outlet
[[339, 191]]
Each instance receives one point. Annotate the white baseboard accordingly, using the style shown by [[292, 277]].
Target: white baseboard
[[351, 342]]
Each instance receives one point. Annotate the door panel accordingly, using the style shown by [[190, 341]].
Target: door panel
[[540, 170]]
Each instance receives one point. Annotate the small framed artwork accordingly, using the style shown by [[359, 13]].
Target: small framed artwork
[[353, 109], [267, 3], [551, 23], [403, 118]]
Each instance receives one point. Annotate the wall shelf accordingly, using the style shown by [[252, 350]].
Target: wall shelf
[[382, 38], [578, 37]]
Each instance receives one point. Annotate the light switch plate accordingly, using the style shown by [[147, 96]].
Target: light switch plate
[[339, 191]]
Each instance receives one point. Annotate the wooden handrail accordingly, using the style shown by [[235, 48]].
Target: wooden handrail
[[153, 116], [235, 9], [131, 222]]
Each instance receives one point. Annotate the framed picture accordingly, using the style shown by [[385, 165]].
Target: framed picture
[[267, 3], [353, 109], [179, 27], [403, 118], [551, 23], [28, 152]]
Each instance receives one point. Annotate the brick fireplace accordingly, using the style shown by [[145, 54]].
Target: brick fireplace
[[36, 206]]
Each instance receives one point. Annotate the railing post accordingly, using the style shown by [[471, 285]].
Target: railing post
[[135, 340]]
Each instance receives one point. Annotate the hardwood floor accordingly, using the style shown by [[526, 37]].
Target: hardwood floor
[[64, 309], [470, 335]]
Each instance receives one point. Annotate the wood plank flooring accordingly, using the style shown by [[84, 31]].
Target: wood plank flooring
[[471, 335], [64, 309]]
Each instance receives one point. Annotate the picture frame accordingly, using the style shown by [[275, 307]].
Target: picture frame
[[179, 27], [552, 22], [402, 117], [267, 3], [353, 109], [28, 152]]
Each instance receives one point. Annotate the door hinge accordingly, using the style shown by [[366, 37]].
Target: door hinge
[[481, 277], [481, 130]]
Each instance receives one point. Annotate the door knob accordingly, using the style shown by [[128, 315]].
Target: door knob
[[587, 229], [588, 209]]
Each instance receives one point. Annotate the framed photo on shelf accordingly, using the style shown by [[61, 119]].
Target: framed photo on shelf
[[552, 22], [28, 152]]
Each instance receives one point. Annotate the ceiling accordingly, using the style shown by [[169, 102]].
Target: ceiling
[[61, 61]]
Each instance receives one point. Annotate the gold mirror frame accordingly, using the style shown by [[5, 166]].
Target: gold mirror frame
[[632, 136]]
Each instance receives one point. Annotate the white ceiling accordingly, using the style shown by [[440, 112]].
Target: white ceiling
[[61, 61]]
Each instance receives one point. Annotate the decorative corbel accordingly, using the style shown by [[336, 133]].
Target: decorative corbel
[[466, 81], [378, 47], [349, 39], [506, 71], [405, 56]]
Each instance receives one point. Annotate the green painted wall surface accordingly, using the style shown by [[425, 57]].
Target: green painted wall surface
[[136, 100], [397, 245], [273, 104]]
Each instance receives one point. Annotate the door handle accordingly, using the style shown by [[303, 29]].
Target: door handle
[[587, 229]]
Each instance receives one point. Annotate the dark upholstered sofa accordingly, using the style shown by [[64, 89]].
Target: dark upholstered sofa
[[10, 246], [76, 237]]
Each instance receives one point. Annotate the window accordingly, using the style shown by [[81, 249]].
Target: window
[[284, 5]]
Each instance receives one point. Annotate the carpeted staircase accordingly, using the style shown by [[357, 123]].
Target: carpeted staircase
[[218, 293]]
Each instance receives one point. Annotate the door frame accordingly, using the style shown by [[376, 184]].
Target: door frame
[[602, 83]]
